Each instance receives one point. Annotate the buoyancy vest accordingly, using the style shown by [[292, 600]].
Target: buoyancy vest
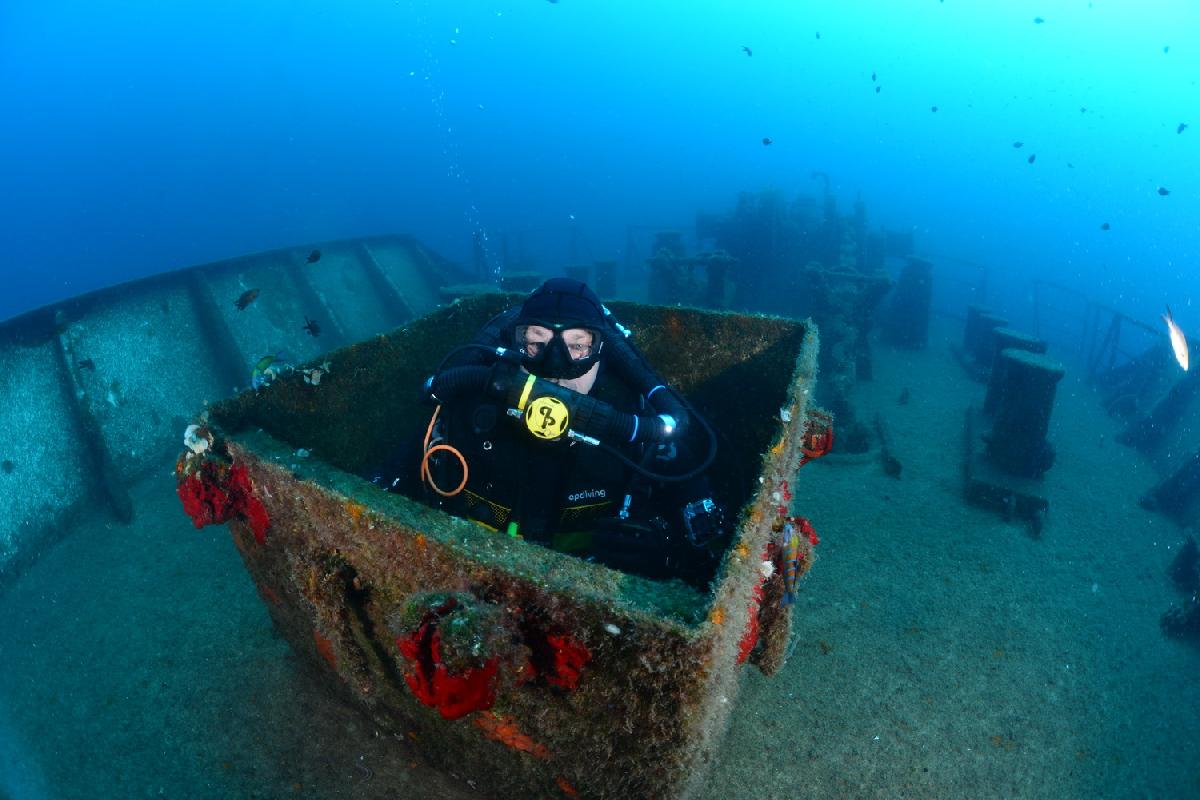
[[544, 487]]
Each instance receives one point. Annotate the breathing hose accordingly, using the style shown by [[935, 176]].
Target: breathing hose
[[597, 421]]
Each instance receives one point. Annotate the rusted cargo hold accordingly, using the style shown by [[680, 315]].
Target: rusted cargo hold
[[531, 672]]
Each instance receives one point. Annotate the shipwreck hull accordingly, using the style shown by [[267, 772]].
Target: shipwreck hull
[[530, 672]]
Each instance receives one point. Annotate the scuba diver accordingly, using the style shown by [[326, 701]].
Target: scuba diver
[[550, 425]]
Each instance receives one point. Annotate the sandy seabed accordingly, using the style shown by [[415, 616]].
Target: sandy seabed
[[940, 652]]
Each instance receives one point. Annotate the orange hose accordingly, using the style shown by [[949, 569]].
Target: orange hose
[[429, 430], [425, 474]]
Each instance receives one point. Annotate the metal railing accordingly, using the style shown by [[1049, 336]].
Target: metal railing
[[1100, 336]]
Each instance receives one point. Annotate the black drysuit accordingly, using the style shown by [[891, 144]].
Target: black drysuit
[[565, 493]]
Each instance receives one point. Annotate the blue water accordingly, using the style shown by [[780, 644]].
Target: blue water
[[142, 136]]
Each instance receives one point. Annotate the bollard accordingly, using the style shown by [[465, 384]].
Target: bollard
[[977, 337], [1006, 339], [1018, 443]]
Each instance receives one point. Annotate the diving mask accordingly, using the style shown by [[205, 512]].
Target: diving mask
[[556, 351]]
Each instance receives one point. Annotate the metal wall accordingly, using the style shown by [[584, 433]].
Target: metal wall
[[95, 391]]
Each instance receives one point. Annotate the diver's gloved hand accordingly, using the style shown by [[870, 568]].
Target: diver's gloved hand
[[667, 405], [672, 425], [505, 379]]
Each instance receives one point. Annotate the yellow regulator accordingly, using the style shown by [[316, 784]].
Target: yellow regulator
[[547, 417]]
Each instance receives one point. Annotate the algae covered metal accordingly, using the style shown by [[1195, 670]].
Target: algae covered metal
[[531, 672]]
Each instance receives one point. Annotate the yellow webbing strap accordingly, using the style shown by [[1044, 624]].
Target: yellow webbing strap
[[525, 392]]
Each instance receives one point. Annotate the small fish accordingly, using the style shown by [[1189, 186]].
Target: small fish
[[1178, 340], [1083, 109], [1018, 145], [1038, 20], [1163, 191], [1166, 48], [313, 257], [266, 370], [248, 297], [789, 552], [1182, 127], [872, 77], [933, 109], [312, 327], [818, 34], [86, 363], [767, 141], [747, 50], [792, 554], [877, 88], [1105, 227], [1032, 158]]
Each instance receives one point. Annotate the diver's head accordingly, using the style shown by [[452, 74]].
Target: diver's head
[[560, 330]]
